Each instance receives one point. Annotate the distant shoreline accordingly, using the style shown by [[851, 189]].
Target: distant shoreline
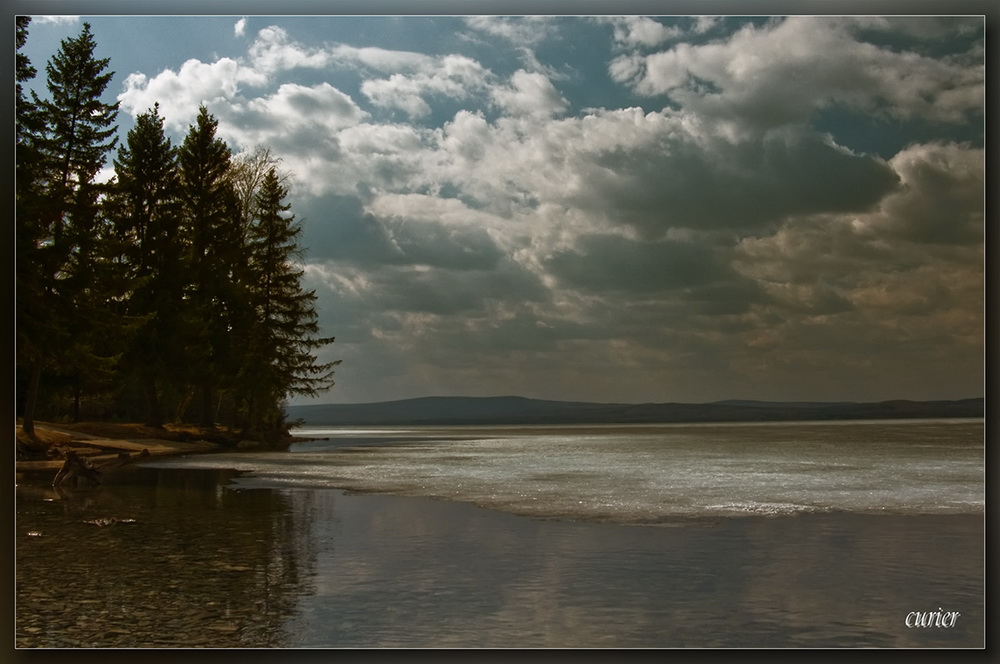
[[519, 410]]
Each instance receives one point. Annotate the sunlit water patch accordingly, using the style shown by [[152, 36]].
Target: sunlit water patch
[[643, 473]]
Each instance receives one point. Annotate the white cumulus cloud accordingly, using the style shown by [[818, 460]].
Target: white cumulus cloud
[[530, 94]]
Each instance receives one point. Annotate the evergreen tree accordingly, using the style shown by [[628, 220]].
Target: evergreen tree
[[30, 313], [212, 229], [184, 265], [280, 361], [23, 72], [79, 132], [145, 212], [62, 143]]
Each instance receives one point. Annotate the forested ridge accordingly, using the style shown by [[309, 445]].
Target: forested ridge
[[169, 293]]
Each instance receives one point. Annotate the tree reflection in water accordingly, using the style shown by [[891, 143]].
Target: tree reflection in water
[[200, 565]]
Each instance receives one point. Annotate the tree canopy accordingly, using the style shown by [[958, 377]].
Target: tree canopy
[[171, 291]]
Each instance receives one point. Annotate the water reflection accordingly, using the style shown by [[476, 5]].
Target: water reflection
[[412, 572], [181, 561], [209, 563]]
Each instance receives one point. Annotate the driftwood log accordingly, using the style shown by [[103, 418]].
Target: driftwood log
[[79, 469]]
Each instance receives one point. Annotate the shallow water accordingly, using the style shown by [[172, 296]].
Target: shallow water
[[271, 556], [647, 473]]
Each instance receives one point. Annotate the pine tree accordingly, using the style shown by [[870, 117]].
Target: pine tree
[[144, 208], [62, 143], [280, 360], [212, 229]]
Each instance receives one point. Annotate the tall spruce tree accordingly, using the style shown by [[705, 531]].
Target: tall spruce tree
[[145, 213], [211, 225], [62, 144], [24, 72], [280, 360], [29, 311], [79, 132]]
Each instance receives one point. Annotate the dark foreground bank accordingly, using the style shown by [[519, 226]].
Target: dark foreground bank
[[178, 558]]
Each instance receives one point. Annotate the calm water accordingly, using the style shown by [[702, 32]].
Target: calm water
[[642, 536], [646, 474]]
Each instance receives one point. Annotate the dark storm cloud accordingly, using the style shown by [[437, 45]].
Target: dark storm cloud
[[943, 202], [615, 263], [730, 297], [452, 292], [735, 186], [523, 330]]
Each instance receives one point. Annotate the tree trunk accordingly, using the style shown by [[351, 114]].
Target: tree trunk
[[248, 422], [207, 414], [28, 424], [184, 404], [76, 400], [154, 415]]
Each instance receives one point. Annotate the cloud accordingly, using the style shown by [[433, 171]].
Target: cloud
[[930, 28], [675, 182], [525, 31], [415, 236], [295, 117], [703, 24], [431, 207], [452, 76], [523, 243], [783, 71], [240, 28], [654, 172], [56, 20], [399, 92], [530, 94], [181, 93], [642, 31], [942, 196], [274, 51], [614, 263], [889, 276], [383, 60]]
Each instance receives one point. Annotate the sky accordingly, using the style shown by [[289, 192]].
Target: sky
[[619, 209]]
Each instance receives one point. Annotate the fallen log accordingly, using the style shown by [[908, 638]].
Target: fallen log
[[123, 459], [82, 470]]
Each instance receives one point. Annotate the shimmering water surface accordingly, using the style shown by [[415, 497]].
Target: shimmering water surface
[[639, 536]]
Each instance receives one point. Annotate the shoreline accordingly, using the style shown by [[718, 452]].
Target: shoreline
[[54, 439]]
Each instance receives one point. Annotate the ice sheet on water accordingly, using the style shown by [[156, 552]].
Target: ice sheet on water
[[645, 474]]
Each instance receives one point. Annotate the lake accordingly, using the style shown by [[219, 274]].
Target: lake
[[762, 535]]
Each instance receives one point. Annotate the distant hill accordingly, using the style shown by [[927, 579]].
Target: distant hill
[[520, 410]]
